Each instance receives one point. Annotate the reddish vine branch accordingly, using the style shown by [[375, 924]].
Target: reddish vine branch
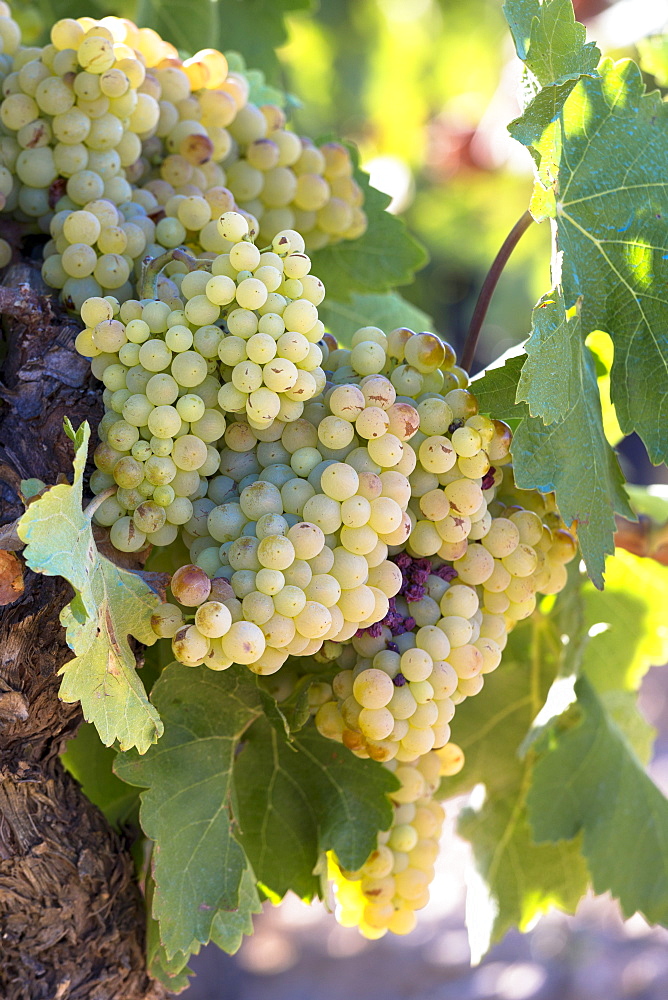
[[643, 537], [488, 286]]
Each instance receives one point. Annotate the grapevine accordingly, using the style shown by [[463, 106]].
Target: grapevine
[[353, 535]]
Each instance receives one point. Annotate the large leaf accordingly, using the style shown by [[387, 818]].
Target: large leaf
[[387, 310], [611, 206], [254, 27], [518, 880], [628, 622], [652, 501], [590, 781], [654, 57], [614, 636], [385, 256], [552, 45], [227, 932], [571, 456], [295, 799], [198, 865], [91, 763], [551, 378], [110, 605]]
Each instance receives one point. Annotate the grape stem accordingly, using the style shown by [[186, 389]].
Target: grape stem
[[98, 500], [488, 286], [152, 266]]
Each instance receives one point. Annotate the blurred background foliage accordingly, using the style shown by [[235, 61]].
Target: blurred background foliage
[[425, 88]]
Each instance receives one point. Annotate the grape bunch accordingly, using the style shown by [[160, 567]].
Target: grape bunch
[[118, 149], [355, 516], [394, 880], [348, 508], [372, 527]]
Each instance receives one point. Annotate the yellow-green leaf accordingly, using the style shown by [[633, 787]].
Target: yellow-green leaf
[[110, 605]]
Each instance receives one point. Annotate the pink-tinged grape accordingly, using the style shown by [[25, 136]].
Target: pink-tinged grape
[[190, 585]]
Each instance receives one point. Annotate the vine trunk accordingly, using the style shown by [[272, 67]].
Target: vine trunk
[[71, 917]]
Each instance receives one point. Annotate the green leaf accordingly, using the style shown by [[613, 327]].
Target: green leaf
[[227, 932], [552, 45], [589, 780], [171, 972], [385, 256], [295, 799], [387, 311], [627, 623], [518, 879], [654, 57], [549, 40], [649, 500], [31, 488], [254, 27], [551, 376], [230, 927], [198, 865], [199, 30], [110, 604], [570, 456], [611, 226], [91, 763], [622, 707]]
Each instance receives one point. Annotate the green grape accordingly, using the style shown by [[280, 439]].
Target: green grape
[[189, 369], [137, 409], [164, 421], [162, 389], [78, 260], [231, 225]]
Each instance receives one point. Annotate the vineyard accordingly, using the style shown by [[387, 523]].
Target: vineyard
[[281, 572]]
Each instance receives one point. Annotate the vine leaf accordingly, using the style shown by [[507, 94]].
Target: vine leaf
[[610, 210], [552, 45], [627, 621], [570, 456], [386, 310], [227, 932], [589, 780], [653, 53], [611, 215], [188, 34], [517, 878], [110, 604], [198, 866], [554, 352], [226, 24], [313, 796], [627, 635], [386, 255], [91, 763]]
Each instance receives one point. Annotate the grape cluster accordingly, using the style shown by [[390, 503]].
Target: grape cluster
[[394, 880], [372, 527], [118, 149], [346, 506], [357, 516], [167, 390]]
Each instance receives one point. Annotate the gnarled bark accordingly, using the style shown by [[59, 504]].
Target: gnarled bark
[[71, 916]]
